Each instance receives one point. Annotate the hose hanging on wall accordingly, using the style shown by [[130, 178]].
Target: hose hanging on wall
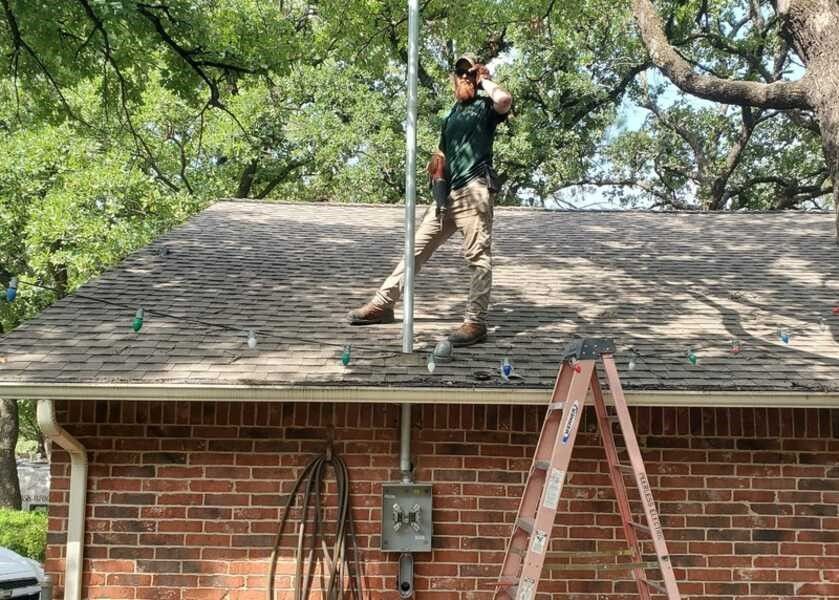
[[337, 567]]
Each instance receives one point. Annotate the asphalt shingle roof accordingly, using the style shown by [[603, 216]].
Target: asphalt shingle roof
[[661, 283]]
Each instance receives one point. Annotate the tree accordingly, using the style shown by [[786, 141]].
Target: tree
[[806, 26], [9, 484], [712, 157], [30, 438], [567, 82]]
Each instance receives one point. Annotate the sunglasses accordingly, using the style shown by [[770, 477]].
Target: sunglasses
[[460, 71]]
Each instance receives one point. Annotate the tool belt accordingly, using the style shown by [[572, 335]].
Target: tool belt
[[440, 189]]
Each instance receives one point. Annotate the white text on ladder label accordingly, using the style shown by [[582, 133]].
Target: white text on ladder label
[[554, 488]]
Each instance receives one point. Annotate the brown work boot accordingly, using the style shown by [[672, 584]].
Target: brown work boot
[[370, 314], [467, 334]]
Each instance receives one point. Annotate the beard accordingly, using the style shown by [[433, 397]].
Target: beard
[[465, 90]]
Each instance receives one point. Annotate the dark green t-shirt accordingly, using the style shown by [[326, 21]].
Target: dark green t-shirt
[[466, 140]]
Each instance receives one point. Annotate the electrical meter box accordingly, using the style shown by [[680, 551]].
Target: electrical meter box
[[406, 517]]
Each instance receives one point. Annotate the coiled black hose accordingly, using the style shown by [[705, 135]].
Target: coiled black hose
[[343, 576]]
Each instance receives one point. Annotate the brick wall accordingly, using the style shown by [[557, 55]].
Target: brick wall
[[184, 498]]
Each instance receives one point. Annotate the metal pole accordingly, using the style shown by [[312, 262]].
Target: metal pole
[[405, 445], [410, 177], [406, 561]]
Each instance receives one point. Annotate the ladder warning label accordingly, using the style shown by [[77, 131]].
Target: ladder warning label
[[540, 541], [572, 418], [647, 497], [526, 589], [553, 489]]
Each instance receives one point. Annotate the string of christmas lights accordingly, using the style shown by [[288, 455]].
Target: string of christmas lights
[[251, 335], [441, 353], [735, 346]]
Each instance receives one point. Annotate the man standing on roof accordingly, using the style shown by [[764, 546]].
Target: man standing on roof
[[466, 145]]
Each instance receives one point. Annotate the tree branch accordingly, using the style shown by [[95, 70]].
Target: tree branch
[[19, 43], [782, 95], [186, 55], [182, 151], [747, 126], [280, 178], [107, 52], [692, 140]]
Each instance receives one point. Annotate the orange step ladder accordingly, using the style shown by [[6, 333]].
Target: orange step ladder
[[529, 543]]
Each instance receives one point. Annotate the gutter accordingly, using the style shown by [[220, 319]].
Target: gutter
[[78, 491], [415, 395]]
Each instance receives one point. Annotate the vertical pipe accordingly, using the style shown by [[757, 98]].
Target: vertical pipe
[[406, 561], [74, 555], [410, 176], [405, 445]]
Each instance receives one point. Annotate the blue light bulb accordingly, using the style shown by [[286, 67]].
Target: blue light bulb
[[506, 369], [11, 291]]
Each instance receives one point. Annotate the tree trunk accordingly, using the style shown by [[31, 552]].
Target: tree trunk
[[812, 27], [246, 180], [9, 483]]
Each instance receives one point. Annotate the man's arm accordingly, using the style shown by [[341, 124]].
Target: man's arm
[[501, 98]]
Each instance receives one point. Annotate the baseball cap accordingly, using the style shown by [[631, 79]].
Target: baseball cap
[[465, 62]]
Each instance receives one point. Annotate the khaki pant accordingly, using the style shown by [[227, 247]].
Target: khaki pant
[[470, 212]]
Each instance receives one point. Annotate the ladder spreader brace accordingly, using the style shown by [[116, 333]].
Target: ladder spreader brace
[[530, 540]]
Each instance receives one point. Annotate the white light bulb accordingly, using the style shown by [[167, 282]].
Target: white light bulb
[[251, 339]]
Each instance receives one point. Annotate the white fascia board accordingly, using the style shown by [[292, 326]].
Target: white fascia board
[[424, 395]]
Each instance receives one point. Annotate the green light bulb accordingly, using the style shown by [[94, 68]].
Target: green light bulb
[[138, 320], [346, 355]]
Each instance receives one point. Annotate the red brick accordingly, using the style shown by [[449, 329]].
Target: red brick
[[163, 512], [126, 580], [165, 485], [180, 499]]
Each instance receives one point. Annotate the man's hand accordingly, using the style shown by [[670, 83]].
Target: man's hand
[[436, 167], [481, 73]]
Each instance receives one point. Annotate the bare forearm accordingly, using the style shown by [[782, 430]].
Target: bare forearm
[[501, 98]]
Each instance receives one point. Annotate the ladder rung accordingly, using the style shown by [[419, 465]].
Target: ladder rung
[[613, 419], [525, 524], [543, 465], [554, 406], [625, 468], [602, 566], [637, 525], [657, 587], [609, 554]]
